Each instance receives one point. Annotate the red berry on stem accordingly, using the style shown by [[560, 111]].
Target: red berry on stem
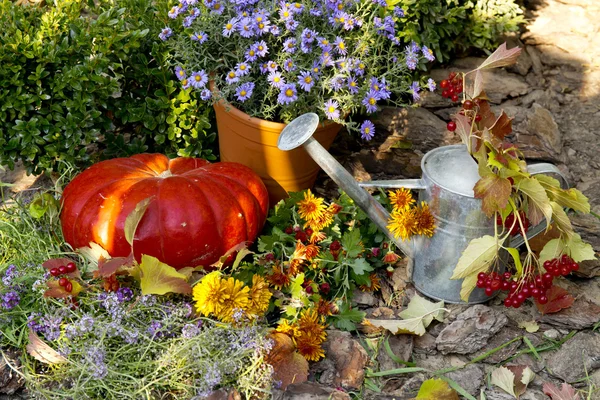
[[526, 291], [62, 270], [54, 272], [445, 93], [452, 75], [508, 302], [481, 275], [542, 299], [454, 98], [574, 266], [505, 285], [481, 283], [535, 292], [477, 118], [467, 104], [488, 291], [69, 287], [507, 275], [458, 88], [513, 286], [547, 277], [496, 284], [289, 230], [451, 126], [444, 84], [70, 267], [63, 281]]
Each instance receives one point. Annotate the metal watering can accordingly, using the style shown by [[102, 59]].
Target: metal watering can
[[449, 175]]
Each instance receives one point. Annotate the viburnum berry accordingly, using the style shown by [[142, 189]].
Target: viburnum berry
[[69, 287], [335, 245], [444, 84], [54, 272], [445, 93], [62, 270], [478, 118], [63, 281], [481, 283], [454, 98], [70, 267], [481, 276], [467, 104], [542, 300], [451, 126], [289, 230]]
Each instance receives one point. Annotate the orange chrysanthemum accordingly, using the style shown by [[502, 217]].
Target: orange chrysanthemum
[[317, 237], [402, 223], [310, 348], [311, 251], [325, 308], [295, 267], [278, 278], [311, 208], [373, 286], [425, 223], [308, 325], [401, 198], [390, 257]]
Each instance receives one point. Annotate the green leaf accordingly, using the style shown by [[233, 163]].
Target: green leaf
[[436, 389], [159, 278], [296, 286], [351, 243], [347, 318], [360, 266], [476, 258], [516, 258], [570, 198], [578, 250], [42, 204], [561, 220], [134, 218], [538, 202]]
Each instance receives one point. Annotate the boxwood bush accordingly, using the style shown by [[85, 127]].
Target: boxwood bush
[[80, 81]]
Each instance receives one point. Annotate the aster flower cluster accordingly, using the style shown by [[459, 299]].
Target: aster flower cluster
[[276, 60]]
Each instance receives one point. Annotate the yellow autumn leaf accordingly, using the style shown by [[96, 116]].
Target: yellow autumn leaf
[[159, 278], [436, 389]]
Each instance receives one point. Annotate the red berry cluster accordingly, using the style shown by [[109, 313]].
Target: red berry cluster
[[518, 292], [62, 270], [452, 87], [561, 266], [512, 224]]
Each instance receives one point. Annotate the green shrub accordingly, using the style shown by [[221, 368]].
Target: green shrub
[[72, 76], [451, 26]]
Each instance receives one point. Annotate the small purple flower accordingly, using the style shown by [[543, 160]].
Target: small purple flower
[[288, 94], [276, 80], [331, 109], [130, 336], [285, 13], [198, 79], [360, 68], [165, 33], [174, 12], [86, 323], [124, 293], [316, 68], [352, 85], [244, 91], [187, 21], [288, 65], [217, 8], [230, 27], [428, 53], [398, 12], [244, 27], [199, 37], [414, 90], [367, 130], [186, 84], [309, 35], [414, 47], [10, 300], [381, 3], [9, 275], [155, 328], [370, 101], [95, 358], [323, 43], [306, 81], [261, 48], [242, 69], [231, 77], [289, 46], [411, 58], [337, 82], [431, 85], [271, 66], [340, 46], [275, 30], [297, 8], [180, 73], [315, 12], [251, 54], [189, 331], [205, 94], [291, 24], [305, 47]]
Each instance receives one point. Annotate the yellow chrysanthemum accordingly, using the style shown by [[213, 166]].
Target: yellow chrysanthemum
[[289, 329], [373, 286], [259, 296], [236, 298], [425, 223], [311, 208], [401, 198], [210, 294], [308, 325], [310, 348], [402, 223]]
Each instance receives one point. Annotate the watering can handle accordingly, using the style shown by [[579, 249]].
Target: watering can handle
[[534, 169], [393, 184]]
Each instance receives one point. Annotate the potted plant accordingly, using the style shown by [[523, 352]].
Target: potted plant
[[270, 62]]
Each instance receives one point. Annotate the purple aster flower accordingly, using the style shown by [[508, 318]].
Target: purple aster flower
[[291, 25], [217, 8], [230, 27], [125, 293], [285, 13], [271, 66], [414, 90], [316, 68], [428, 53], [398, 12], [289, 45], [189, 331], [174, 12], [165, 33], [198, 79], [340, 46], [431, 85], [309, 35], [261, 48], [337, 82], [367, 130], [381, 3], [187, 21], [315, 12], [251, 55], [244, 91], [323, 43], [186, 84], [276, 80], [288, 94], [370, 101], [205, 94], [10, 300], [352, 85], [244, 27], [242, 69], [411, 58], [305, 47], [331, 109], [306, 81], [297, 8], [414, 47], [263, 68], [275, 30], [232, 77], [342, 63], [199, 37], [360, 68], [288, 65]]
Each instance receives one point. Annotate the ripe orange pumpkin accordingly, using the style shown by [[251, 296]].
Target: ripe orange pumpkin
[[198, 210]]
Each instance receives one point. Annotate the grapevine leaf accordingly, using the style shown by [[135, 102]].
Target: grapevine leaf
[[578, 250], [159, 278], [463, 127], [523, 375], [477, 84], [288, 365], [488, 118], [436, 389], [561, 220], [418, 307], [346, 318], [558, 298], [477, 257], [502, 57], [360, 266], [42, 204], [39, 350], [57, 262], [502, 126], [505, 380], [494, 193], [516, 258], [569, 198], [566, 392], [539, 204], [351, 243], [529, 326], [134, 218]]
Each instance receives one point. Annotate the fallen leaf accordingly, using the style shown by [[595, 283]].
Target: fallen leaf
[[159, 278], [133, 219], [413, 326], [288, 365], [529, 326], [39, 350], [523, 375], [502, 57], [436, 389], [558, 298], [93, 254], [111, 266], [228, 256], [59, 262], [59, 292], [416, 317], [566, 392], [505, 380]]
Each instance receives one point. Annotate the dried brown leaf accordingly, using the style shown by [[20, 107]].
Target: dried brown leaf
[[39, 350], [288, 365]]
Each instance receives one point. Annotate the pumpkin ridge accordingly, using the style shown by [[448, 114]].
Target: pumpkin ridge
[[145, 166], [212, 210]]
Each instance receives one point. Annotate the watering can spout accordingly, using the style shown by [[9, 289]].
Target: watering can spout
[[298, 133]]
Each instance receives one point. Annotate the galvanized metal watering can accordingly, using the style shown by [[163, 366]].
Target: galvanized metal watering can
[[449, 175]]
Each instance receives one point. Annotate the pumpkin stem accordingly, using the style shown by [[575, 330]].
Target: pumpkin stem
[[165, 174]]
